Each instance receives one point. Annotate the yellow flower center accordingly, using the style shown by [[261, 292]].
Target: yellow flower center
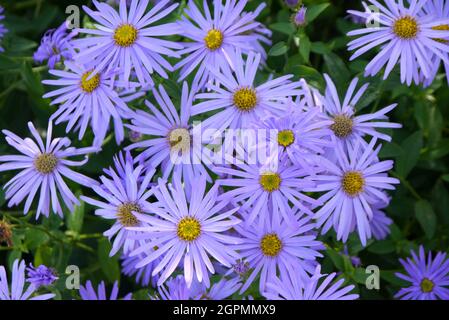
[[270, 181], [406, 28], [125, 35], [443, 27], [427, 285], [179, 140], [286, 137], [125, 214], [214, 39], [342, 126], [45, 163], [271, 245], [189, 229], [90, 85], [245, 99], [353, 183]]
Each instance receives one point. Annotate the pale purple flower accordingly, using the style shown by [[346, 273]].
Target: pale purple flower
[[316, 287], [216, 35], [428, 277], [274, 247], [188, 231], [170, 143], [43, 166], [380, 224], [238, 101], [406, 38], [18, 289], [55, 46], [128, 40], [177, 289], [352, 183], [301, 136], [88, 292], [347, 127], [143, 276], [125, 189], [83, 102], [439, 9], [255, 186]]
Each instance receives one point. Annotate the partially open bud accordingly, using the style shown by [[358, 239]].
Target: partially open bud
[[299, 18], [5, 233]]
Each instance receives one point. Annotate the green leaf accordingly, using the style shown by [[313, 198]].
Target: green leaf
[[74, 220], [304, 47], [426, 217], [35, 238], [411, 148], [390, 276], [278, 49], [336, 258], [109, 265], [315, 10], [310, 74], [43, 255], [445, 178], [283, 27], [359, 275], [337, 70], [382, 247]]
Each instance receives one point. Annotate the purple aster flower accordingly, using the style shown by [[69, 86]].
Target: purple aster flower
[[125, 190], [170, 143], [259, 185], [429, 278], [55, 46], [85, 102], [274, 246], [176, 288], [215, 36], [143, 276], [41, 276], [19, 291], [380, 223], [238, 101], [353, 184], [221, 290], [189, 229], [299, 18], [43, 166], [346, 125], [406, 37], [440, 10], [88, 292], [3, 30], [317, 287], [128, 40], [301, 135]]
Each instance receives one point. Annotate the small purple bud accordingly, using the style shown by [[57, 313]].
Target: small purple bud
[[299, 18], [134, 136], [291, 3]]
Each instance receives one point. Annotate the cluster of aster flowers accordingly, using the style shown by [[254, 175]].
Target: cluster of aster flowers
[[245, 193]]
